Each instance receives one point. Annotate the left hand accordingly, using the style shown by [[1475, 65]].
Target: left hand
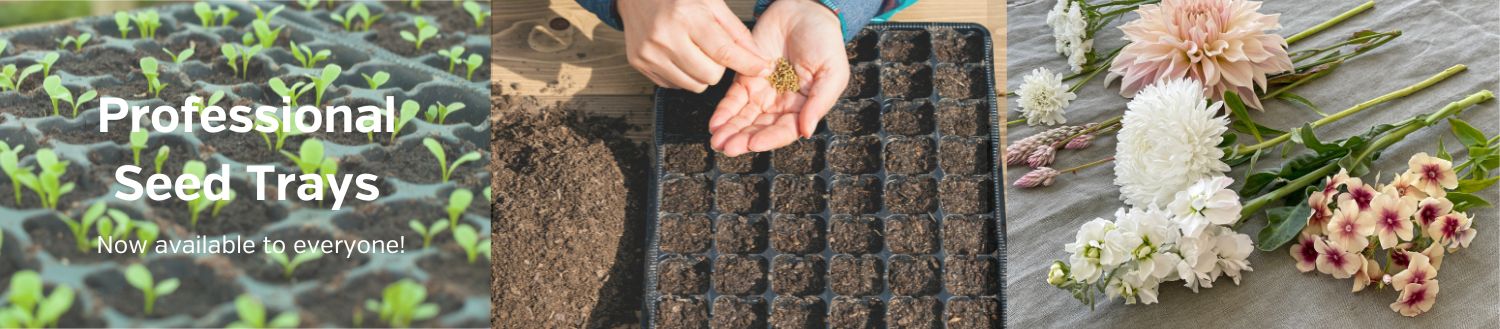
[[753, 116]]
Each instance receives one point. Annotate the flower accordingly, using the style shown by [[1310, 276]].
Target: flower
[[1434, 255], [1320, 214], [1043, 98], [1093, 248], [1058, 274], [1434, 175], [1417, 299], [1360, 192], [1391, 214], [1405, 184], [1040, 177], [1080, 142], [1305, 253], [1041, 157], [1430, 209], [1223, 43], [1331, 186], [1070, 32], [1168, 140], [1207, 202], [1198, 261], [1370, 273], [1418, 271], [1233, 251], [1452, 230], [1349, 229], [1334, 260]]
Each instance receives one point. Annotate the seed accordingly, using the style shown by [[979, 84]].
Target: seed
[[784, 79]]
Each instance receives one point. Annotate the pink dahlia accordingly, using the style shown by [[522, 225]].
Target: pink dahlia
[[1226, 44]]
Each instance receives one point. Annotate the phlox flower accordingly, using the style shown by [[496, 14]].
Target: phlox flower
[[1434, 175], [1348, 228]]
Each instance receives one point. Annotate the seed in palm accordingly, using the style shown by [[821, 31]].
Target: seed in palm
[[784, 79]]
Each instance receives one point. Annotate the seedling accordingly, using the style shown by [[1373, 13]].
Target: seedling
[[323, 80], [253, 314], [147, 21], [376, 80], [289, 265], [161, 157], [356, 11], [454, 55], [116, 226], [457, 203], [81, 226], [264, 34], [238, 57], [77, 42], [438, 113], [468, 238], [212, 100], [137, 143], [47, 61], [206, 14], [308, 5], [226, 14], [48, 184], [305, 55], [140, 278], [221, 203], [415, 4], [474, 61], [478, 13], [146, 232], [409, 109], [402, 303], [428, 232], [310, 160], [122, 22], [10, 163], [29, 307], [293, 93], [422, 33], [437, 151], [56, 91], [153, 81], [283, 130], [10, 80], [183, 56], [265, 16], [200, 200]]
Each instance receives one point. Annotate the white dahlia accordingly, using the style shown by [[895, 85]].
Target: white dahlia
[[1043, 98], [1168, 140]]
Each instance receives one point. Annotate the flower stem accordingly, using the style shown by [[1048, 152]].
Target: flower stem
[[1015, 122], [1403, 92], [1074, 170], [1330, 23]]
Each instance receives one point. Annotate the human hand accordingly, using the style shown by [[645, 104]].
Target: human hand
[[753, 116], [687, 44]]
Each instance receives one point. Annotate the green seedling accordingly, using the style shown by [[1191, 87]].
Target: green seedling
[[161, 157], [11, 80], [226, 14], [265, 16], [423, 32], [293, 92], [438, 113], [146, 232], [56, 91], [427, 232], [376, 80], [206, 14], [140, 278], [122, 22], [183, 56], [47, 61], [116, 226], [289, 265], [47, 185], [402, 303], [468, 238], [77, 42], [81, 226], [153, 81], [323, 80], [219, 205], [238, 57], [138, 140], [10, 163], [306, 56], [147, 21], [409, 109], [437, 151], [30, 307], [357, 11], [264, 34], [211, 101], [477, 12], [415, 4], [308, 5], [253, 314], [3, 45], [457, 203], [454, 55], [283, 130], [474, 62], [310, 160], [200, 198]]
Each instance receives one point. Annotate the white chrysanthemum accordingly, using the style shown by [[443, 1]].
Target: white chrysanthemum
[[1043, 98], [1167, 141], [1207, 202]]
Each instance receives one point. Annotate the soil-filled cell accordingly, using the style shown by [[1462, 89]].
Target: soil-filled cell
[[388, 220], [805, 156], [954, 46], [791, 312], [330, 304], [852, 234], [258, 266], [682, 275], [854, 117], [739, 275], [907, 118], [855, 313], [685, 194], [740, 234], [905, 46], [958, 81], [972, 313], [685, 157], [684, 234], [914, 313], [862, 46], [741, 194], [968, 235], [864, 79], [963, 117], [203, 286], [914, 275], [910, 194], [911, 234], [743, 164], [854, 194], [965, 194], [686, 113], [797, 276], [906, 81], [970, 275], [49, 232], [739, 313], [964, 155], [856, 276], [797, 234], [797, 194], [854, 154], [909, 155], [679, 312]]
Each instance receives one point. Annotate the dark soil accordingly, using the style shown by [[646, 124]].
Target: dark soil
[[740, 194], [914, 312], [337, 304], [965, 194], [682, 275], [54, 236], [205, 48], [909, 155], [740, 275], [805, 156], [911, 234], [245, 214], [739, 313], [85, 130], [352, 137], [87, 186], [206, 284], [964, 155], [910, 194], [973, 313], [395, 162], [862, 47], [247, 148], [449, 17], [856, 313], [743, 164], [856, 276], [451, 267], [854, 194], [908, 81], [854, 155], [740, 233], [688, 113], [685, 194], [94, 61], [908, 118], [797, 234], [218, 71], [688, 157], [963, 118], [953, 46], [864, 78], [795, 194], [970, 275], [388, 36], [960, 81], [905, 46], [968, 235], [390, 220], [851, 234], [797, 276], [790, 312], [854, 117], [32, 105], [684, 234], [914, 275], [680, 312], [13, 259]]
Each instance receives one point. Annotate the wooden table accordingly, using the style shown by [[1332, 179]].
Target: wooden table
[[587, 70]]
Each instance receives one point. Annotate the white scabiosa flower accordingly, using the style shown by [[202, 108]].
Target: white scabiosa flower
[[1044, 98], [1168, 140]]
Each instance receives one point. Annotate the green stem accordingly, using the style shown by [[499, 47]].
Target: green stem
[[1331, 22], [1075, 170], [1015, 122]]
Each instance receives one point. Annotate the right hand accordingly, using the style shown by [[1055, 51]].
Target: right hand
[[687, 44]]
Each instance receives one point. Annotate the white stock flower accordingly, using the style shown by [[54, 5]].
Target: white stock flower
[[1199, 260], [1233, 249], [1205, 203], [1090, 252], [1070, 33], [1168, 140], [1043, 98]]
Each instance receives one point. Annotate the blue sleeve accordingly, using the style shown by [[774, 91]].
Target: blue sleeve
[[606, 11], [854, 14]]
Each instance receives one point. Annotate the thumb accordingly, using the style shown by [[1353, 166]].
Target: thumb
[[826, 87]]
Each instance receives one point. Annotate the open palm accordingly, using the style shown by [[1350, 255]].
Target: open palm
[[754, 116]]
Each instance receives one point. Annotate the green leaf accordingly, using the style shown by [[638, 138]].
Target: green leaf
[[284, 320], [1465, 201], [1237, 108], [167, 286], [139, 277], [1283, 225], [1466, 133], [55, 305], [250, 310], [1476, 185]]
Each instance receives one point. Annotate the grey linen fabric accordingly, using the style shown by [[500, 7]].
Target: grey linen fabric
[[1437, 34]]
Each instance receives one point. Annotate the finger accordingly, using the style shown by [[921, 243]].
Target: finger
[[734, 100], [722, 135], [824, 92], [697, 64], [739, 143], [674, 76], [739, 37], [778, 134]]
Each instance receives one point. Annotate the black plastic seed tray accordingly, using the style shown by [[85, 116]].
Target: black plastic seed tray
[[329, 292], [889, 216]]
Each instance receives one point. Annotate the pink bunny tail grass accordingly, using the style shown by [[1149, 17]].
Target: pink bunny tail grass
[[1040, 177]]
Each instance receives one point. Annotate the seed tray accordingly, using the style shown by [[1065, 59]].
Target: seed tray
[[327, 292], [889, 216]]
